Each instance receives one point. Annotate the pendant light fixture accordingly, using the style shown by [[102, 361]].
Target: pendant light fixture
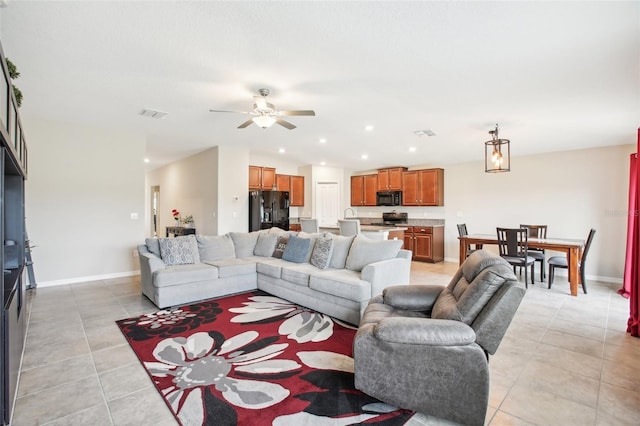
[[497, 154]]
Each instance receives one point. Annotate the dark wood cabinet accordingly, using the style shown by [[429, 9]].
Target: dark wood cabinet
[[295, 227], [426, 243], [390, 179], [262, 178], [423, 187], [363, 190], [13, 166]]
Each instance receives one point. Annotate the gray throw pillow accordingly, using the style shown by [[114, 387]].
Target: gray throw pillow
[[215, 247], [280, 246], [179, 250], [265, 245], [341, 246], [322, 253], [313, 237], [153, 245], [244, 243], [297, 249], [365, 251]]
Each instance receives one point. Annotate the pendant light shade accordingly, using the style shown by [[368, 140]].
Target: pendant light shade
[[497, 154], [264, 120]]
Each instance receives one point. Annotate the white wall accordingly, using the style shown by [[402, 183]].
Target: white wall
[[190, 186], [82, 187], [233, 190]]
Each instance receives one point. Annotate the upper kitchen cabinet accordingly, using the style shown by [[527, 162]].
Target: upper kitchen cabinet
[[423, 187], [363, 190], [390, 179], [262, 177], [283, 183], [296, 191], [294, 185]]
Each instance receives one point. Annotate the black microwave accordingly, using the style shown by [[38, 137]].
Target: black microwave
[[389, 198]]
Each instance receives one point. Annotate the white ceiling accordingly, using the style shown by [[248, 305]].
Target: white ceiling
[[554, 75]]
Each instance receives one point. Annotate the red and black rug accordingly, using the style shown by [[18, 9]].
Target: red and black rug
[[254, 359]]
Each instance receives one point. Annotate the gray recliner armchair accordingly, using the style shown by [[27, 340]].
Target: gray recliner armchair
[[426, 348]]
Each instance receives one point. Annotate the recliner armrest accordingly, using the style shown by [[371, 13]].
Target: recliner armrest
[[420, 298], [424, 331]]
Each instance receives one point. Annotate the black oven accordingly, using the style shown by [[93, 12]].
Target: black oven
[[389, 198]]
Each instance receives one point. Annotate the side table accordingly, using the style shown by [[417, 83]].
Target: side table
[[179, 231]]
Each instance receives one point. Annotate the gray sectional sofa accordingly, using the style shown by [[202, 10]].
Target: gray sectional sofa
[[332, 274]]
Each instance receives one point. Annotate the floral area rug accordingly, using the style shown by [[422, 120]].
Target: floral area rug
[[254, 359]]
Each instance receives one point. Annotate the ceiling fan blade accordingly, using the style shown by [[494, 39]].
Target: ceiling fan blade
[[286, 124], [246, 123], [299, 112], [221, 110], [261, 102]]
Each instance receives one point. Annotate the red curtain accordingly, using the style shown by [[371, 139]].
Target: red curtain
[[631, 286]]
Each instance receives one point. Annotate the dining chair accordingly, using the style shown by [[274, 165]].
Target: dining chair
[[462, 232], [309, 225], [349, 227], [561, 262], [537, 231], [513, 245]]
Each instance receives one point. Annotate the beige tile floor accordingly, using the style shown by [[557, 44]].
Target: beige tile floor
[[564, 361]]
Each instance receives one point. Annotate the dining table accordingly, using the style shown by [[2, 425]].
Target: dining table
[[571, 247]]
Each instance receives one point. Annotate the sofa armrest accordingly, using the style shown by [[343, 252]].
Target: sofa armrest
[[149, 260], [386, 273], [420, 298], [424, 331]]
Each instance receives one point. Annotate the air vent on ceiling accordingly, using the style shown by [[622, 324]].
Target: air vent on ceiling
[[426, 132], [152, 113]]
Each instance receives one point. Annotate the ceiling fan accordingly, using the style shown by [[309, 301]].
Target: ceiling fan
[[264, 113]]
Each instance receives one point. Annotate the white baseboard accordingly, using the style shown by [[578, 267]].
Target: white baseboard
[[86, 279]]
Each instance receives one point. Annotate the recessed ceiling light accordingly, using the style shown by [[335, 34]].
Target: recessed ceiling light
[[425, 132], [412, 149], [364, 156], [323, 140], [281, 151], [323, 163], [146, 160], [368, 128]]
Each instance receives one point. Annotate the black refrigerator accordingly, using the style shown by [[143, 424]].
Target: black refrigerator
[[268, 209]]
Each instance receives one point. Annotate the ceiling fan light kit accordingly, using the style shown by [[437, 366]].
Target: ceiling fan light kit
[[265, 114], [497, 154]]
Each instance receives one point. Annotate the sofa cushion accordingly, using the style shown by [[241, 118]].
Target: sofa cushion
[[313, 237], [341, 246], [273, 268], [365, 251], [233, 267], [153, 245], [342, 283], [244, 243], [298, 274], [184, 274], [280, 246], [321, 255], [297, 249], [265, 245], [179, 250], [215, 247]]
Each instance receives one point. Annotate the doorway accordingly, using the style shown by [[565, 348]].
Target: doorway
[[155, 202], [327, 205]]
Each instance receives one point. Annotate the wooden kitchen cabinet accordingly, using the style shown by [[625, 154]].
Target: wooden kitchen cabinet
[[390, 179], [423, 187], [294, 185], [363, 190], [296, 191], [262, 178], [283, 183], [426, 242]]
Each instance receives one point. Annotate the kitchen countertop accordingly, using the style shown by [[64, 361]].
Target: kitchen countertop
[[371, 228], [367, 221]]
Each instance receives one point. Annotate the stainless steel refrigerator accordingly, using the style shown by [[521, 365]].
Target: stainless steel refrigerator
[[268, 209]]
